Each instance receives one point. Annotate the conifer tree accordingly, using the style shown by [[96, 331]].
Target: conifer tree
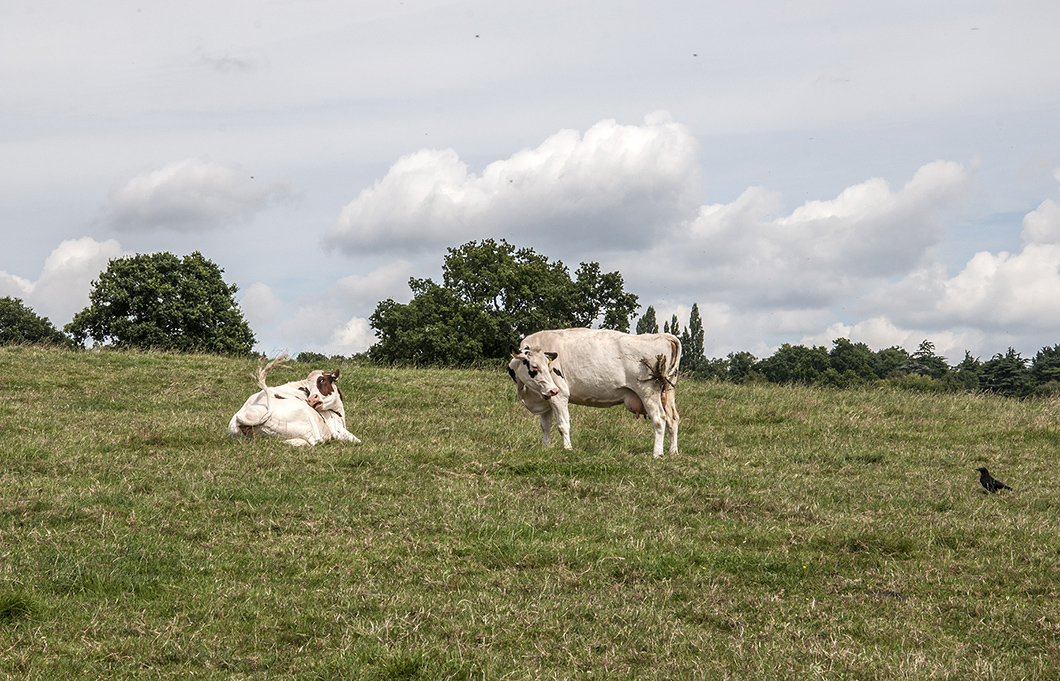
[[647, 323], [692, 356]]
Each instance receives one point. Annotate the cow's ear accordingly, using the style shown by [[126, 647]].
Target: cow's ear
[[334, 375], [551, 356], [514, 350]]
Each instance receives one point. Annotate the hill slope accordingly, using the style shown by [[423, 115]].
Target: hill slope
[[801, 532]]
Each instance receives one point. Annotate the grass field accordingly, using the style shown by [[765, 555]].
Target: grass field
[[802, 533]]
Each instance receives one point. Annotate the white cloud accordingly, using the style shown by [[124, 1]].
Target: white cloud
[[354, 336], [65, 281], [870, 229], [367, 290], [618, 183], [1006, 289], [996, 293], [880, 332], [260, 305], [190, 195], [332, 321], [744, 254], [14, 286], [1042, 226]]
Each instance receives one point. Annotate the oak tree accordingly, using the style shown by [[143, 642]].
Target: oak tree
[[163, 302]]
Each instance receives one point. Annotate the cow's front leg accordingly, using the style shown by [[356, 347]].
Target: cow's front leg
[[561, 409], [546, 428], [342, 434]]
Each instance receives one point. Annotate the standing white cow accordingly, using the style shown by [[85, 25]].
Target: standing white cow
[[598, 368], [300, 413]]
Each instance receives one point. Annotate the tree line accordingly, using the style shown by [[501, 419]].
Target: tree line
[[850, 365], [153, 302], [491, 295]]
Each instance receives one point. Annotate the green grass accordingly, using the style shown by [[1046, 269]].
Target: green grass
[[801, 533]]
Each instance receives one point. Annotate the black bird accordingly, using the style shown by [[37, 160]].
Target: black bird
[[989, 483]]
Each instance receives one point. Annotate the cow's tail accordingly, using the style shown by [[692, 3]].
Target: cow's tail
[[663, 372], [675, 357], [669, 393], [263, 372]]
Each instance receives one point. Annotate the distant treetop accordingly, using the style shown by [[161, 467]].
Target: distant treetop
[[19, 324], [163, 302], [493, 294]]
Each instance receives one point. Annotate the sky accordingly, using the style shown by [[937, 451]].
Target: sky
[[886, 172]]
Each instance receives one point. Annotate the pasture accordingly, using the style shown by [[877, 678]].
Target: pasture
[[802, 533]]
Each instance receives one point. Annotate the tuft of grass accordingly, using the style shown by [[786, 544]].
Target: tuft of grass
[[16, 606]]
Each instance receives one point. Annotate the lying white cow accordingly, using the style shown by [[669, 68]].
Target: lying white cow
[[598, 368], [299, 412]]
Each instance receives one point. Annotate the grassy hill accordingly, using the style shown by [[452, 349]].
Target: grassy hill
[[801, 533]]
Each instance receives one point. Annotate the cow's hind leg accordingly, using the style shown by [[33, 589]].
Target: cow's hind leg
[[655, 412], [658, 424], [673, 419]]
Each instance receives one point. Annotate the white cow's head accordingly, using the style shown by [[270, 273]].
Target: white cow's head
[[531, 369], [322, 392]]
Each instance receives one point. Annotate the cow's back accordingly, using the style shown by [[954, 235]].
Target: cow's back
[[601, 366]]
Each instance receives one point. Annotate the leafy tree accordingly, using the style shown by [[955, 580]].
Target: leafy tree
[[886, 361], [319, 359], [1006, 375], [740, 365], [601, 295], [19, 324], [491, 295], [715, 368], [833, 378], [163, 302], [647, 323], [851, 361], [812, 365], [779, 367], [795, 364], [436, 327], [519, 287]]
